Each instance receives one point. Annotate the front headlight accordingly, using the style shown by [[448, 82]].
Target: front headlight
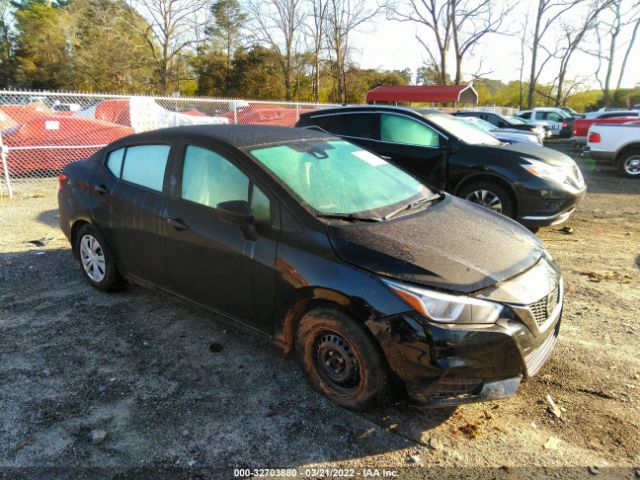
[[543, 170], [444, 308]]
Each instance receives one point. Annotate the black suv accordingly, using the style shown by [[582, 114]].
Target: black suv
[[537, 186]]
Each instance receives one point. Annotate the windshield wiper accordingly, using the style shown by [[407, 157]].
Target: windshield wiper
[[416, 204], [349, 217]]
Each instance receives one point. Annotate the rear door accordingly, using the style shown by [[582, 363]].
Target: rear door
[[212, 262], [128, 208], [413, 146]]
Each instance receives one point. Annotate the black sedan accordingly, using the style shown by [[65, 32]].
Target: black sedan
[[537, 186], [328, 249]]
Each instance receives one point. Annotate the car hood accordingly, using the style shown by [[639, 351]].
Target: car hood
[[537, 152], [452, 244]]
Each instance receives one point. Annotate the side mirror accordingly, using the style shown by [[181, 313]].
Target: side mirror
[[235, 212]]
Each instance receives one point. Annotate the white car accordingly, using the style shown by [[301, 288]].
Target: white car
[[555, 118], [612, 114], [508, 135], [617, 144]]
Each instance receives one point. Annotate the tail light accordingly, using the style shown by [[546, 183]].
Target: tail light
[[565, 124], [62, 179], [594, 137]]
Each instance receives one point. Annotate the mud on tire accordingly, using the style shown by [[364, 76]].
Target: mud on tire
[[341, 359]]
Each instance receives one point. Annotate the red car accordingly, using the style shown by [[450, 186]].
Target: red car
[[47, 143], [581, 126]]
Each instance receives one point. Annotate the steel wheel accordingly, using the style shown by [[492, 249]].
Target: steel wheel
[[92, 258], [631, 165], [341, 358], [486, 198], [336, 361]]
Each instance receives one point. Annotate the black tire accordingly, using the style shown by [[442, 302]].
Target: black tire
[[623, 163], [110, 278], [507, 206], [361, 379]]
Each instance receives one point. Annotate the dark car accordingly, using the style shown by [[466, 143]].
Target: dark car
[[501, 121], [367, 273], [535, 185]]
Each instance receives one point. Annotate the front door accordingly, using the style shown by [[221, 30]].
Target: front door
[[413, 146], [212, 262]]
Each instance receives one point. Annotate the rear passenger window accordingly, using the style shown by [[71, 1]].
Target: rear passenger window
[[114, 161], [209, 179], [144, 165], [524, 115], [397, 129], [352, 125]]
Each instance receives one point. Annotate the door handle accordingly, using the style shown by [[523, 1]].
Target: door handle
[[385, 157], [101, 189], [178, 224]]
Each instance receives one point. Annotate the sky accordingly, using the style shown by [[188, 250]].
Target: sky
[[392, 45]]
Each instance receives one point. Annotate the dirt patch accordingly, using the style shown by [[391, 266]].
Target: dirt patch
[[177, 389]]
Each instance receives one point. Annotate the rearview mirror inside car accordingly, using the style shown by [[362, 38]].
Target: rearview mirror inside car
[[235, 212]]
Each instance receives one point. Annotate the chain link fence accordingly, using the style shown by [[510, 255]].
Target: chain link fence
[[41, 132]]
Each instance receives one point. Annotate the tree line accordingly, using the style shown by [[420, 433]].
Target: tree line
[[302, 49]]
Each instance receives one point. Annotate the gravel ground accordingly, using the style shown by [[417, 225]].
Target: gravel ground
[[139, 384]]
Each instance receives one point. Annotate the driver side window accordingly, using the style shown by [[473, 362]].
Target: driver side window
[[397, 129], [210, 179]]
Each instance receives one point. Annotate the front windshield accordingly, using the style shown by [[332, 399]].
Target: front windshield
[[461, 129], [479, 123], [517, 120], [337, 177]]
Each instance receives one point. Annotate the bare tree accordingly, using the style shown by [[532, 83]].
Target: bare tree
[[278, 24], [632, 41], [573, 33], [523, 44], [460, 24], [435, 16], [344, 17], [316, 32], [471, 20], [614, 20], [547, 14], [169, 33]]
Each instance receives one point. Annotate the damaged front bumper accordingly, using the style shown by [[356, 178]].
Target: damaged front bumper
[[448, 365]]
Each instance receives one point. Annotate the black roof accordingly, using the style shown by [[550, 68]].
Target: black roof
[[240, 136], [416, 111], [358, 108]]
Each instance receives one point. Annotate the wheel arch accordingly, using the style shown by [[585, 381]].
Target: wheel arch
[[310, 298], [625, 149], [490, 177], [76, 225]]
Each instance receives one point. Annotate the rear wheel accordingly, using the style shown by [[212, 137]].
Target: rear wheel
[[629, 163], [96, 259], [341, 359], [489, 195]]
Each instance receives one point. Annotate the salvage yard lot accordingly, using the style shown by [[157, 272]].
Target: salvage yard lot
[[172, 385]]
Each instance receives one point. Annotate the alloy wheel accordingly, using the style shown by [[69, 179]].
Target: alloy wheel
[[92, 258], [632, 165], [487, 199]]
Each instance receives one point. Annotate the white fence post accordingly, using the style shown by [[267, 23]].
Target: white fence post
[[4, 153]]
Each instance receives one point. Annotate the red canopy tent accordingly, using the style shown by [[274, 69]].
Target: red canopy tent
[[431, 94]]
